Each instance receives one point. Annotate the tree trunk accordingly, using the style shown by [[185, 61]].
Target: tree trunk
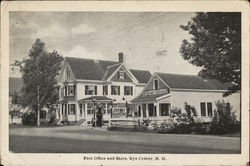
[[38, 106]]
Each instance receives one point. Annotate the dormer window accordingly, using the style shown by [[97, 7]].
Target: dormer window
[[156, 84], [68, 73], [121, 75]]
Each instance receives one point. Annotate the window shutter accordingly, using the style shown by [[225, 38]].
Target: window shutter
[[125, 93], [74, 91], [95, 90], [118, 90], [103, 90], [131, 90], [86, 89]]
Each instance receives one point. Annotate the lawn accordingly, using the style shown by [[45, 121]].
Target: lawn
[[76, 139]]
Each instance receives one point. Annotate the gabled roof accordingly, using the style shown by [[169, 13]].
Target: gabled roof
[[141, 75], [180, 81], [15, 85], [90, 69]]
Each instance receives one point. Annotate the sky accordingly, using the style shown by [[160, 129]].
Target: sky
[[149, 40]]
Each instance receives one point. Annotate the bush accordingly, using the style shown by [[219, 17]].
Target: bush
[[224, 121], [29, 118]]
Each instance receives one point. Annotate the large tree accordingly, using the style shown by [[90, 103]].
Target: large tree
[[215, 46], [39, 72]]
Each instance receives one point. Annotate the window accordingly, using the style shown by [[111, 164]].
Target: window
[[151, 110], [71, 90], [42, 114], [203, 109], [105, 90], [115, 90], [121, 75], [164, 109], [128, 90], [65, 91], [68, 73], [90, 90], [156, 84], [209, 109], [89, 108], [144, 110], [139, 111], [109, 107], [72, 110]]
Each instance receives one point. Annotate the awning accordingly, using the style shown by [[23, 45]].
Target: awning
[[96, 99], [146, 98]]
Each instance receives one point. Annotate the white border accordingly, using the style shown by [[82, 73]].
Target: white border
[[174, 6]]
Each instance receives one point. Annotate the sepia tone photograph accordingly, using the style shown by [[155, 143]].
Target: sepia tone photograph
[[125, 82], [148, 82]]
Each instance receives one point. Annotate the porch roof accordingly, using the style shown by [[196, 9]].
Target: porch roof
[[144, 98], [96, 98]]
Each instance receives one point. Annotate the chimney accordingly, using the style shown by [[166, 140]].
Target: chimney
[[120, 56]]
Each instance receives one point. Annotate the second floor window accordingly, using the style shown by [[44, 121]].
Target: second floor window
[[121, 75], [105, 90], [90, 90], [71, 90], [156, 84], [128, 90], [115, 90]]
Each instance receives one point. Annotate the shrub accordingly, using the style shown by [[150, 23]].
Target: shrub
[[29, 118], [224, 121]]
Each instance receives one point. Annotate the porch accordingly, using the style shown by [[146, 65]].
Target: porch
[[152, 107]]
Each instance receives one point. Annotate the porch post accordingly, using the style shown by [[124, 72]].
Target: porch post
[[157, 109], [85, 110], [147, 110], [106, 108], [141, 111], [77, 112], [61, 111]]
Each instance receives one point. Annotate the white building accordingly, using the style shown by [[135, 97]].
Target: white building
[[168, 91], [86, 84]]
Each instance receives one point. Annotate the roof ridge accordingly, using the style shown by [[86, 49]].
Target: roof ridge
[[139, 70], [177, 74], [89, 59]]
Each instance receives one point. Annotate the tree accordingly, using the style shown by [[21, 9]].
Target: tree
[[39, 72], [215, 46]]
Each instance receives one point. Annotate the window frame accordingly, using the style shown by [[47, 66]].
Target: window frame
[[105, 90], [154, 84], [121, 76], [118, 90], [210, 114], [203, 112], [166, 109], [87, 90], [130, 91]]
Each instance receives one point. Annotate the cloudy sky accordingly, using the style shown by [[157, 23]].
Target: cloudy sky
[[149, 40]]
